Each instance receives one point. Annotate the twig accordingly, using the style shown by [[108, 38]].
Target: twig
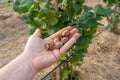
[[109, 25], [58, 74], [118, 4], [67, 59], [115, 9]]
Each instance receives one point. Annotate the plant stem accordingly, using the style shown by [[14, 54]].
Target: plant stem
[[67, 66], [58, 74], [71, 70]]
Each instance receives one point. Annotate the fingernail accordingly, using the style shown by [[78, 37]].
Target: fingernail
[[78, 35], [75, 29], [38, 29], [69, 26]]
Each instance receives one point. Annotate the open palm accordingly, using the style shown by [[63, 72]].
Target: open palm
[[40, 56]]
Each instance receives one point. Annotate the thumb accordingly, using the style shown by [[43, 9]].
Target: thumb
[[37, 32]]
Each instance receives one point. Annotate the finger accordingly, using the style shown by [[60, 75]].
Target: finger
[[59, 32], [56, 53], [69, 43], [37, 32], [73, 31]]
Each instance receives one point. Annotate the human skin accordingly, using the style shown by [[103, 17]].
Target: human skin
[[36, 57]]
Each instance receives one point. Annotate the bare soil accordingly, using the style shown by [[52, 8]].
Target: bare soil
[[102, 61]]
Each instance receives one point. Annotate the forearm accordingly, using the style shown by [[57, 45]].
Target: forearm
[[18, 69]]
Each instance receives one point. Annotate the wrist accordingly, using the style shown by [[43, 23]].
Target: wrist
[[33, 60], [21, 66], [28, 62]]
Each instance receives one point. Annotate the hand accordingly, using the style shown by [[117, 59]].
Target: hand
[[39, 56]]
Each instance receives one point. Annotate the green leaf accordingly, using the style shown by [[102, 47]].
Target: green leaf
[[51, 30], [78, 57], [70, 12], [22, 6], [64, 4], [65, 74], [98, 17], [87, 8], [48, 16], [34, 7], [64, 17], [25, 3], [78, 2], [63, 57], [87, 19], [32, 29], [44, 35], [99, 10], [7, 5], [28, 18], [52, 19], [109, 1], [84, 15], [43, 2], [75, 1], [77, 9]]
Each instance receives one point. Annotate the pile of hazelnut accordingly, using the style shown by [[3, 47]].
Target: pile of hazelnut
[[59, 41]]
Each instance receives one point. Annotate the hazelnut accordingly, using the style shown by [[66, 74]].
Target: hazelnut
[[49, 46], [59, 36], [66, 33], [58, 45], [56, 40], [64, 40]]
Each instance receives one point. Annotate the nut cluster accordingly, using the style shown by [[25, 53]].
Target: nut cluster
[[59, 41]]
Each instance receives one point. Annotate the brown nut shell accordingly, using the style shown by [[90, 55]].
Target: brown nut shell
[[56, 40], [66, 33], [60, 36], [64, 40], [58, 45], [49, 46]]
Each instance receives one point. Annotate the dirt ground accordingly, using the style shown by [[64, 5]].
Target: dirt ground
[[101, 63]]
